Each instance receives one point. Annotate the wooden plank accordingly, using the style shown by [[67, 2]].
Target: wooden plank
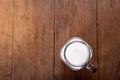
[[45, 12], [33, 31], [109, 39], [74, 18], [6, 25]]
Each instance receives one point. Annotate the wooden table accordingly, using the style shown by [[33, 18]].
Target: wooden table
[[32, 32]]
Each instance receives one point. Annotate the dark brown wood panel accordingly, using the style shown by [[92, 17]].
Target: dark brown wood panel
[[45, 12], [33, 46], [74, 18], [109, 39], [6, 25]]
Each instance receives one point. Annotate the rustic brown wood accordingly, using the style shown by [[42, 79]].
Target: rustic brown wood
[[109, 39], [32, 32], [33, 46], [45, 12], [6, 24], [74, 18]]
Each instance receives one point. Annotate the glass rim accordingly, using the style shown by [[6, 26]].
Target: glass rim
[[85, 62]]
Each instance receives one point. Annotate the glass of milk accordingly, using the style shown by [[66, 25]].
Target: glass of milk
[[76, 54]]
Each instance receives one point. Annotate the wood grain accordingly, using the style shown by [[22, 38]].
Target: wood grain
[[45, 12], [74, 18], [109, 39], [6, 25], [33, 31]]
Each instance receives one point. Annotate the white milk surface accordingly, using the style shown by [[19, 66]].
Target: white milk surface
[[77, 54]]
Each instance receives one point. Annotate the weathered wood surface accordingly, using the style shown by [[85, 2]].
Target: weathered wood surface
[[108, 39], [33, 30], [32, 33], [6, 40]]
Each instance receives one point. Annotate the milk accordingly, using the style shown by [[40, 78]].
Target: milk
[[77, 53]]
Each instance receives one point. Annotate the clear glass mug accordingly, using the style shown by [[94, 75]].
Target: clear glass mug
[[77, 54]]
